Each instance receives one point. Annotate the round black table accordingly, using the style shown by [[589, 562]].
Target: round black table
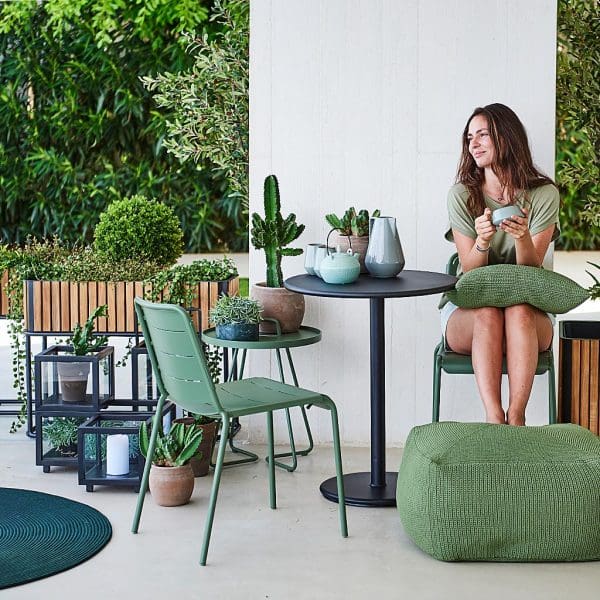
[[376, 488]]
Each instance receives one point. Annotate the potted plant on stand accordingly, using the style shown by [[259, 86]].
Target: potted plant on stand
[[352, 230], [271, 234], [236, 318], [73, 375], [171, 476]]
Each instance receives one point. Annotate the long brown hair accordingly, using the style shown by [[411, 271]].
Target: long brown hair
[[512, 165]]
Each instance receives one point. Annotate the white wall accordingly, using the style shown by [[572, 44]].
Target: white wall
[[362, 103]]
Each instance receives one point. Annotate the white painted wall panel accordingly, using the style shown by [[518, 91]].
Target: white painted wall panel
[[362, 102]]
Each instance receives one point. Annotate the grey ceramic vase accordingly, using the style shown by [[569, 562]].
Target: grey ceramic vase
[[384, 255]]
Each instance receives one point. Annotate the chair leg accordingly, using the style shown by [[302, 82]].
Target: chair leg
[[148, 465], [551, 395], [437, 381], [271, 461], [338, 471], [213, 495]]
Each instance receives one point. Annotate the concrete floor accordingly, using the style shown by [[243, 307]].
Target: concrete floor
[[294, 552]]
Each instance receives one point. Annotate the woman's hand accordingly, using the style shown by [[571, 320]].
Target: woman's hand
[[484, 227], [517, 227]]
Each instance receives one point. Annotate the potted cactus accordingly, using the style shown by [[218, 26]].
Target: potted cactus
[[272, 234], [171, 476], [352, 230]]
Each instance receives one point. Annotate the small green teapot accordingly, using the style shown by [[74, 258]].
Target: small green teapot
[[340, 267]]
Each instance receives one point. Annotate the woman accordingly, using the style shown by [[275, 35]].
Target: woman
[[496, 169]]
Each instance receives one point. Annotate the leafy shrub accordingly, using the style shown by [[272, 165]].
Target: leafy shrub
[[139, 228], [78, 129], [578, 122]]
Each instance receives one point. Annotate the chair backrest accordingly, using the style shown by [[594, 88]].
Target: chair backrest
[[452, 266], [177, 357]]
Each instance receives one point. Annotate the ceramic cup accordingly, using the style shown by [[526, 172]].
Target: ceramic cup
[[310, 254], [320, 254], [506, 212]]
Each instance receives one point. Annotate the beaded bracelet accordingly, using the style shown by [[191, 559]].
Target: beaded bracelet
[[483, 250]]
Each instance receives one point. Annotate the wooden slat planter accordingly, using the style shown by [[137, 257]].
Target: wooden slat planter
[[57, 306], [3, 294]]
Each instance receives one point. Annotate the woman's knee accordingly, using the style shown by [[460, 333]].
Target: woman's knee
[[489, 317], [522, 315]]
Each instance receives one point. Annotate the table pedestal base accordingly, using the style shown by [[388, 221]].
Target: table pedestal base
[[359, 492]]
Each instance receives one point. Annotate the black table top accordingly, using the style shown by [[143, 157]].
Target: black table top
[[406, 283]]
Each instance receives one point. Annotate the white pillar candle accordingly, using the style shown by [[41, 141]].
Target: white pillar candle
[[117, 454]]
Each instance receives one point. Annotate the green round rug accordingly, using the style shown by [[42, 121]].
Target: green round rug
[[41, 535]]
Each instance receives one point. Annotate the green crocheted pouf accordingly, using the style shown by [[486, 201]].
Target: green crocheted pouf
[[481, 492], [507, 285]]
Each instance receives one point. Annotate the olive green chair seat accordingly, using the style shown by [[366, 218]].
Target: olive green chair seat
[[461, 364], [483, 492], [182, 376]]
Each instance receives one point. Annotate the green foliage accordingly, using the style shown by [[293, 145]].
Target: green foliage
[[78, 129], [578, 122], [174, 448], [207, 105], [235, 309], [83, 340], [147, 230], [594, 291], [274, 232], [178, 283], [61, 432], [352, 223]]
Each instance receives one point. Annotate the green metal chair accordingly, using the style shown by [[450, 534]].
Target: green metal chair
[[461, 364], [182, 376]]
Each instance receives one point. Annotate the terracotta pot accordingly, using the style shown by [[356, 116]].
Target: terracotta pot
[[73, 381], [359, 244], [281, 304], [201, 462], [171, 486]]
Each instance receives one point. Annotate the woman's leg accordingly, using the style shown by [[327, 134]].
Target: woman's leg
[[528, 332], [480, 332]]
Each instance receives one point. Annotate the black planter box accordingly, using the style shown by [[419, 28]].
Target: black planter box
[[65, 383], [143, 387], [92, 447]]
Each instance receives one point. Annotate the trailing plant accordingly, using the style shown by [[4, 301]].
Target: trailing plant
[[235, 309], [352, 223], [274, 232], [578, 122], [173, 449], [136, 226], [83, 340], [178, 284]]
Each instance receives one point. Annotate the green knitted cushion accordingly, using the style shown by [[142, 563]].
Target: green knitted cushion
[[506, 285], [476, 491]]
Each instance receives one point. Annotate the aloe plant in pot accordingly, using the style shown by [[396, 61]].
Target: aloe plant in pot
[[272, 234], [171, 476]]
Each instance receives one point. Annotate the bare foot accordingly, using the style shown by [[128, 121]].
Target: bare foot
[[516, 418], [496, 417]]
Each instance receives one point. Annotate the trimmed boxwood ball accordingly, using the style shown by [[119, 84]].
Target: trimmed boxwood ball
[[136, 227]]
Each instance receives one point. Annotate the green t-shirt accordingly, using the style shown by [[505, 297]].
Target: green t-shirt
[[543, 208]]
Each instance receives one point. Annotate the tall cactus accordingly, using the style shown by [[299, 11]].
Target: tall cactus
[[274, 232]]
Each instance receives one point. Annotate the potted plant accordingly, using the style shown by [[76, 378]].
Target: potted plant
[[200, 462], [236, 318], [171, 476], [73, 375], [61, 435], [352, 230], [272, 234]]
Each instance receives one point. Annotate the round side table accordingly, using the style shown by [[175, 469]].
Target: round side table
[[305, 336]]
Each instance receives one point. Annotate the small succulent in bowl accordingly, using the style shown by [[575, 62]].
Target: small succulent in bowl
[[236, 318]]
